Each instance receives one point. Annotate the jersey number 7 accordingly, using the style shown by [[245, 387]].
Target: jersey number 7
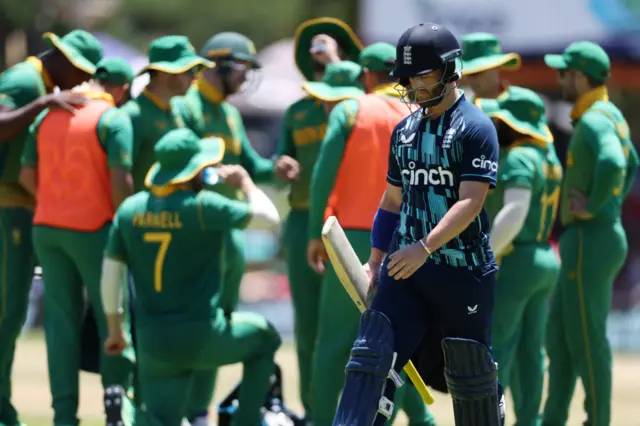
[[164, 239]]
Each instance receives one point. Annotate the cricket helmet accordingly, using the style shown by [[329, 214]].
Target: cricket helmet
[[426, 48]]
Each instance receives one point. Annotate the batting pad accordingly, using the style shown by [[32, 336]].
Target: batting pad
[[472, 379], [372, 358]]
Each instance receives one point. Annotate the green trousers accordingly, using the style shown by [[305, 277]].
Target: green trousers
[[305, 287], [577, 344], [72, 261], [15, 281], [525, 281], [172, 356], [337, 330], [205, 381]]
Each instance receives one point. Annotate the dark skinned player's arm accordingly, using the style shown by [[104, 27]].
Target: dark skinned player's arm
[[29, 160], [260, 169], [479, 140], [599, 133], [632, 169], [14, 121], [115, 132], [325, 171]]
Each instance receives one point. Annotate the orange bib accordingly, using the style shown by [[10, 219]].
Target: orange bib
[[362, 177], [74, 189]]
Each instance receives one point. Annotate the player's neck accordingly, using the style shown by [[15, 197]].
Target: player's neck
[[448, 100], [159, 91]]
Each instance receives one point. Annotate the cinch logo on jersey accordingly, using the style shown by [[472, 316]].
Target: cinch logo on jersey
[[436, 177], [482, 163]]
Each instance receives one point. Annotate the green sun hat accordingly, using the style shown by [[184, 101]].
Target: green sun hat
[[378, 57], [81, 48], [335, 28], [174, 54], [583, 56], [341, 81], [114, 70], [487, 105], [523, 110], [482, 52], [181, 155], [231, 45]]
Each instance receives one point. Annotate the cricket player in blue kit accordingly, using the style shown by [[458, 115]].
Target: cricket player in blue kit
[[443, 161]]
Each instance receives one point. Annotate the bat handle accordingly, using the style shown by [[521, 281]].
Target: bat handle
[[417, 381]]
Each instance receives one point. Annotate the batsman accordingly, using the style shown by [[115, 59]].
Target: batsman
[[601, 167], [345, 186], [442, 162], [170, 235], [317, 43], [523, 208]]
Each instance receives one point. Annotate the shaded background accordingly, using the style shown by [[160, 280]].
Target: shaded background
[[530, 28]]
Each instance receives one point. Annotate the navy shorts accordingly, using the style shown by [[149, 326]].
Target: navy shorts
[[458, 301]]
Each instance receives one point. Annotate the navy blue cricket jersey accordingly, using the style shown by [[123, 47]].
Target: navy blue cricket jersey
[[429, 159]]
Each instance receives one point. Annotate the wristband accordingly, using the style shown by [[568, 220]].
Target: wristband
[[384, 225], [424, 246]]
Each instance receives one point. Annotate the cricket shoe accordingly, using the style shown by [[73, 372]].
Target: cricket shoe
[[117, 407], [200, 421]]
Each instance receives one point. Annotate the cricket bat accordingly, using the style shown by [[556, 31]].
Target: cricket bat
[[356, 283]]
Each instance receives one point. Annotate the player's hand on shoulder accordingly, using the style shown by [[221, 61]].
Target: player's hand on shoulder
[[406, 261], [287, 168], [235, 176], [66, 100], [316, 255]]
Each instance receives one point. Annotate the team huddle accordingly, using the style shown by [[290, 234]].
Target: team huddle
[[448, 202]]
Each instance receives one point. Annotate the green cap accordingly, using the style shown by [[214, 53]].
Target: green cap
[[335, 28], [181, 155], [173, 54], [482, 52], [230, 45], [341, 81], [522, 110], [114, 70], [81, 48], [378, 57], [583, 56]]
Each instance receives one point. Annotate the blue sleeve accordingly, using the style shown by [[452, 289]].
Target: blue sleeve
[[480, 153], [393, 169]]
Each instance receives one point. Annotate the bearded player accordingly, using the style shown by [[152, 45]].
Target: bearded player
[[442, 163]]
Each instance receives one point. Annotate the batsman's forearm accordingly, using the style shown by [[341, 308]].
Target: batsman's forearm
[[456, 220], [377, 255]]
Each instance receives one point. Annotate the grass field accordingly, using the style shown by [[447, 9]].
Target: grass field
[[31, 389]]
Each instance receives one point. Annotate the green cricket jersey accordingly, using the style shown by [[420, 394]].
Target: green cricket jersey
[[339, 127], [151, 119], [601, 159], [115, 134], [174, 248], [533, 165], [215, 117], [19, 86], [303, 129]]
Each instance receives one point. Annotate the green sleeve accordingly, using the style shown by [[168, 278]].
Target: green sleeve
[[116, 248], [286, 146], [19, 86], [30, 149], [115, 133], [132, 109], [7, 101], [632, 168], [599, 133], [517, 169], [260, 169], [325, 171], [219, 213]]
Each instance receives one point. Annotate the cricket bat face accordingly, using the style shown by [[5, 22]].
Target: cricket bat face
[[355, 281], [345, 262]]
